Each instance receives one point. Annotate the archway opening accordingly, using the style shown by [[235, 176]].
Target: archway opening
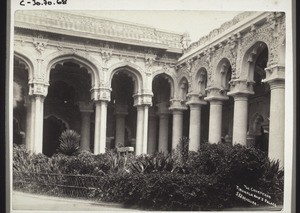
[[70, 84], [160, 121], [121, 111], [20, 91], [259, 102]]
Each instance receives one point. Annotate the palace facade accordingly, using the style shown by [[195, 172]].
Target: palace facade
[[120, 83]]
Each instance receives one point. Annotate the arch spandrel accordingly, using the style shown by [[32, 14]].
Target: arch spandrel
[[92, 65]]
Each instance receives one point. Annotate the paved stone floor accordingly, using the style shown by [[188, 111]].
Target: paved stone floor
[[26, 201]]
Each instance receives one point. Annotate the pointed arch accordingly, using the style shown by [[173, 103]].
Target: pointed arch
[[132, 70], [223, 74], [24, 57], [168, 77], [93, 66]]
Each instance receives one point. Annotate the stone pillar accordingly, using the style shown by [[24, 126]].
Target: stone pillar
[[86, 109], [275, 78], [103, 116], [177, 107], [28, 130], [215, 121], [215, 96], [145, 129], [142, 103], [152, 142], [139, 130], [120, 111], [97, 127], [163, 138], [101, 96], [177, 127], [240, 89], [38, 123], [195, 104]]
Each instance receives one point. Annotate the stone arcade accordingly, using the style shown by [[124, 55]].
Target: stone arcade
[[119, 83]]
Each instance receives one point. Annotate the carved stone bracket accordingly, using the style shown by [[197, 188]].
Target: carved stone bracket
[[241, 87], [195, 99], [100, 94], [40, 43], [177, 104], [215, 93], [142, 99], [40, 89]]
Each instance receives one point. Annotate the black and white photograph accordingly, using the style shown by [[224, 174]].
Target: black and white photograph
[[122, 108]]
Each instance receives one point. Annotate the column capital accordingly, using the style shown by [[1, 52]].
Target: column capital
[[100, 94], [215, 93], [194, 100], [38, 89], [85, 106], [142, 99], [274, 73], [121, 109], [239, 87], [276, 84], [177, 104]]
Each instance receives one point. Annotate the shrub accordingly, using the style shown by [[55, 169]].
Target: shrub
[[69, 142]]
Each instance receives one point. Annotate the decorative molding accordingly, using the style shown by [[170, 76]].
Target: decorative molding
[[80, 24]]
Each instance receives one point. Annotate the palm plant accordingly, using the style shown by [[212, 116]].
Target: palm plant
[[69, 142]]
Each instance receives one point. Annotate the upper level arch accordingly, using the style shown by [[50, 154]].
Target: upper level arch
[[92, 65], [199, 81], [223, 74]]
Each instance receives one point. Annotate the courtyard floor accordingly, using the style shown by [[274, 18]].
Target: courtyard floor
[[27, 201]]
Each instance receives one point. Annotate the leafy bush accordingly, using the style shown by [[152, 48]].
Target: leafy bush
[[205, 180], [69, 142]]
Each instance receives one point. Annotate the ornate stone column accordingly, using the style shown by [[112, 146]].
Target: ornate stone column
[[240, 90], [177, 108], [38, 92], [215, 96], [120, 111], [86, 108], [275, 78], [163, 138], [152, 142], [101, 96], [142, 102], [195, 104]]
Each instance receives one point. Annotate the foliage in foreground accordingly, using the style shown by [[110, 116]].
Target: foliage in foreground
[[203, 180]]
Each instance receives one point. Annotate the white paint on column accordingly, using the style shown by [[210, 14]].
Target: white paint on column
[[276, 134], [215, 121], [240, 120], [145, 130], [177, 127], [139, 131], [103, 110], [194, 130], [38, 124], [97, 128]]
